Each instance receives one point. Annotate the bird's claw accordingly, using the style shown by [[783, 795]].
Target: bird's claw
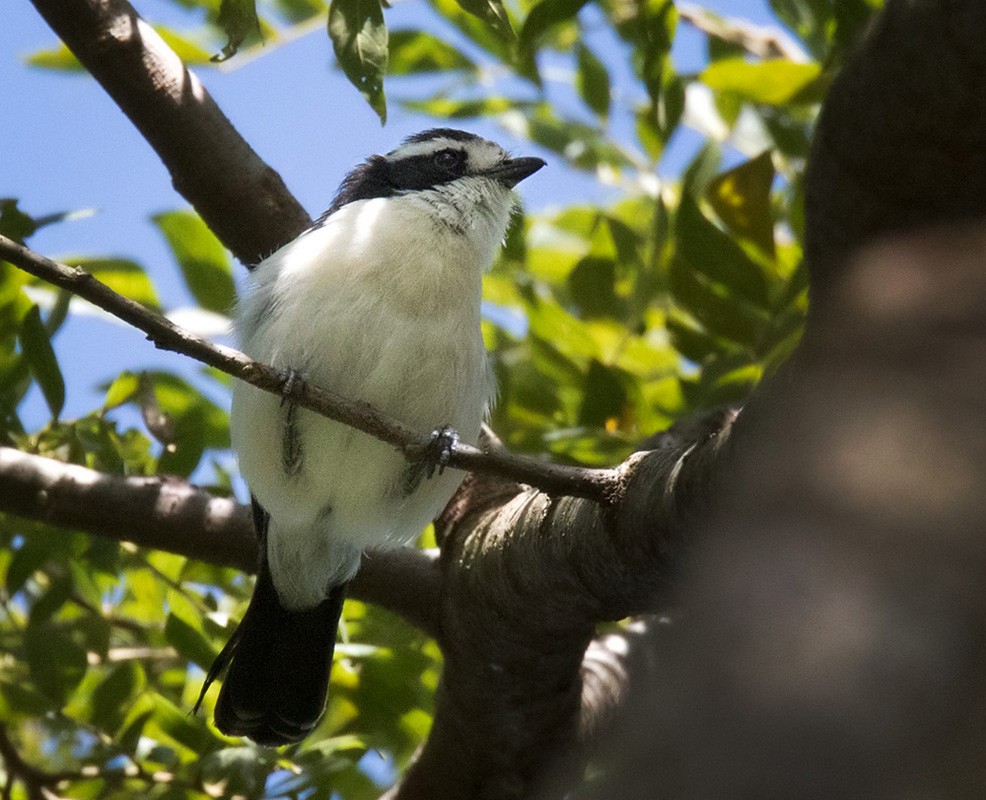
[[437, 454], [443, 442], [291, 451], [290, 379]]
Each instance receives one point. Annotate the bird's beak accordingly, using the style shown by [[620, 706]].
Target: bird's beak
[[514, 170]]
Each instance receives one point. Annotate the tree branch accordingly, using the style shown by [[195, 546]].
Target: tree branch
[[760, 41], [506, 552], [240, 198], [171, 515], [518, 699], [521, 697], [513, 706], [36, 781], [526, 577], [896, 148], [599, 484]]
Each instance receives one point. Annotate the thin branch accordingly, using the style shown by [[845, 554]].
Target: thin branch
[[210, 164], [757, 40], [35, 780], [596, 484]]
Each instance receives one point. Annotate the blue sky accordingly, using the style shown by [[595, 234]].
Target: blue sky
[[65, 145]]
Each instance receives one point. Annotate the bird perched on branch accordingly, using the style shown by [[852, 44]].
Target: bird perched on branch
[[380, 302]]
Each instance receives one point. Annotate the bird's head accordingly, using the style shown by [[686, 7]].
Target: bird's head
[[461, 175]]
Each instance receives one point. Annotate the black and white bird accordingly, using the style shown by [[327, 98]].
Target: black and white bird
[[379, 301]]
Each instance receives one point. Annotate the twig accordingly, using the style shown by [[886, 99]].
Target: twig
[[595, 484], [35, 780], [757, 40]]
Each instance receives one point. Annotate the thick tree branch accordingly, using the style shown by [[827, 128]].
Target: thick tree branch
[[240, 198], [599, 484], [171, 515], [898, 148], [612, 664], [526, 577], [833, 616], [832, 621]]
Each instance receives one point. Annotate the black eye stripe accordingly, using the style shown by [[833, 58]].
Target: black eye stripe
[[450, 159], [424, 171], [379, 176]]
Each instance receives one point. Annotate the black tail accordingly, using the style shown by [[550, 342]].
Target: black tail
[[279, 661]]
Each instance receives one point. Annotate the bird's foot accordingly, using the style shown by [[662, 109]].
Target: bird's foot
[[291, 378], [439, 452], [291, 451], [436, 456]]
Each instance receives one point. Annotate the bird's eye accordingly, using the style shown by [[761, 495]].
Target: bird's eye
[[451, 160]]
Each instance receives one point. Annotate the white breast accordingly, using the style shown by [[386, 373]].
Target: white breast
[[379, 305]]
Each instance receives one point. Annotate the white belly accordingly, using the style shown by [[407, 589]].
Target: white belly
[[404, 336]]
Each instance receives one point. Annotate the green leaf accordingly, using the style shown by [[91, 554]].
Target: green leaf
[[829, 29], [56, 662], [729, 380], [191, 732], [54, 597], [359, 38], [701, 171], [123, 276], [241, 771], [57, 58], [493, 14], [709, 251], [298, 11], [122, 390], [202, 258], [114, 693], [543, 17], [37, 350], [415, 52], [14, 223], [690, 339], [583, 146], [189, 642], [24, 699], [741, 198], [650, 26], [773, 82], [592, 80], [561, 332], [238, 18], [197, 422], [604, 396], [721, 315], [141, 711], [592, 286], [188, 51], [475, 28], [26, 559]]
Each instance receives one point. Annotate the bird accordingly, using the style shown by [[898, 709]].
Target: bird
[[378, 301]]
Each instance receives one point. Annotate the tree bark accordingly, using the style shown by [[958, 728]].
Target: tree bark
[[833, 635]]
